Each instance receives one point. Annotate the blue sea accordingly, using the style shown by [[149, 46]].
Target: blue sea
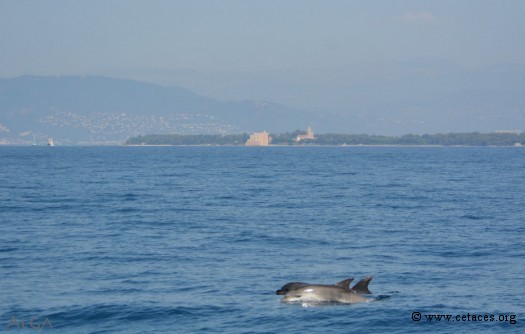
[[197, 239]]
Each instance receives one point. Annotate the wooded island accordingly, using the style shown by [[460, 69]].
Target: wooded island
[[290, 138]]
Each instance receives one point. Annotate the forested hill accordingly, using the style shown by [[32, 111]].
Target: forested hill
[[289, 138]]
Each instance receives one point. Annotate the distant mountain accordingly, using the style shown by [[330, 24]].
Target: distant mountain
[[428, 95], [418, 96], [93, 109]]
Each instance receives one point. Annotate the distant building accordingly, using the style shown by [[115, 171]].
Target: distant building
[[259, 139], [309, 135]]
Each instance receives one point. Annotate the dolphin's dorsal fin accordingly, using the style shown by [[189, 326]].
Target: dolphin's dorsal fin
[[362, 286], [345, 284]]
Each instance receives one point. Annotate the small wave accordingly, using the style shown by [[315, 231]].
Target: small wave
[[79, 316], [129, 197], [472, 217], [127, 210], [382, 297]]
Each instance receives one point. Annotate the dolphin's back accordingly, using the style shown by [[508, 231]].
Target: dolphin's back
[[323, 293]]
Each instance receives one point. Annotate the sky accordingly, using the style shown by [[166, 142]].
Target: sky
[[54, 37]]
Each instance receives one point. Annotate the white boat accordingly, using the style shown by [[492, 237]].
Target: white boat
[[50, 142]]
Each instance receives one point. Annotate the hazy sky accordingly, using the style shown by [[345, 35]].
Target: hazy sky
[[98, 36]]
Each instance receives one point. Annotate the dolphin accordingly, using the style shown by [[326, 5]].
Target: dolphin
[[323, 294], [360, 287]]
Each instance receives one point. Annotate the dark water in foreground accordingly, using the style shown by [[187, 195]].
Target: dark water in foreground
[[197, 239]]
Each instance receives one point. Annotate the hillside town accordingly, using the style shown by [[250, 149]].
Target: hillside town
[[109, 128]]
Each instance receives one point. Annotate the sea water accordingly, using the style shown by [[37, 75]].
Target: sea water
[[197, 239]]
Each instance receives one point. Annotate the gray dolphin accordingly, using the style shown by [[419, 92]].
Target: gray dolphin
[[360, 287], [323, 294]]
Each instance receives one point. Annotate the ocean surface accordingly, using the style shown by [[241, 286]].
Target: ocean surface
[[197, 239]]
